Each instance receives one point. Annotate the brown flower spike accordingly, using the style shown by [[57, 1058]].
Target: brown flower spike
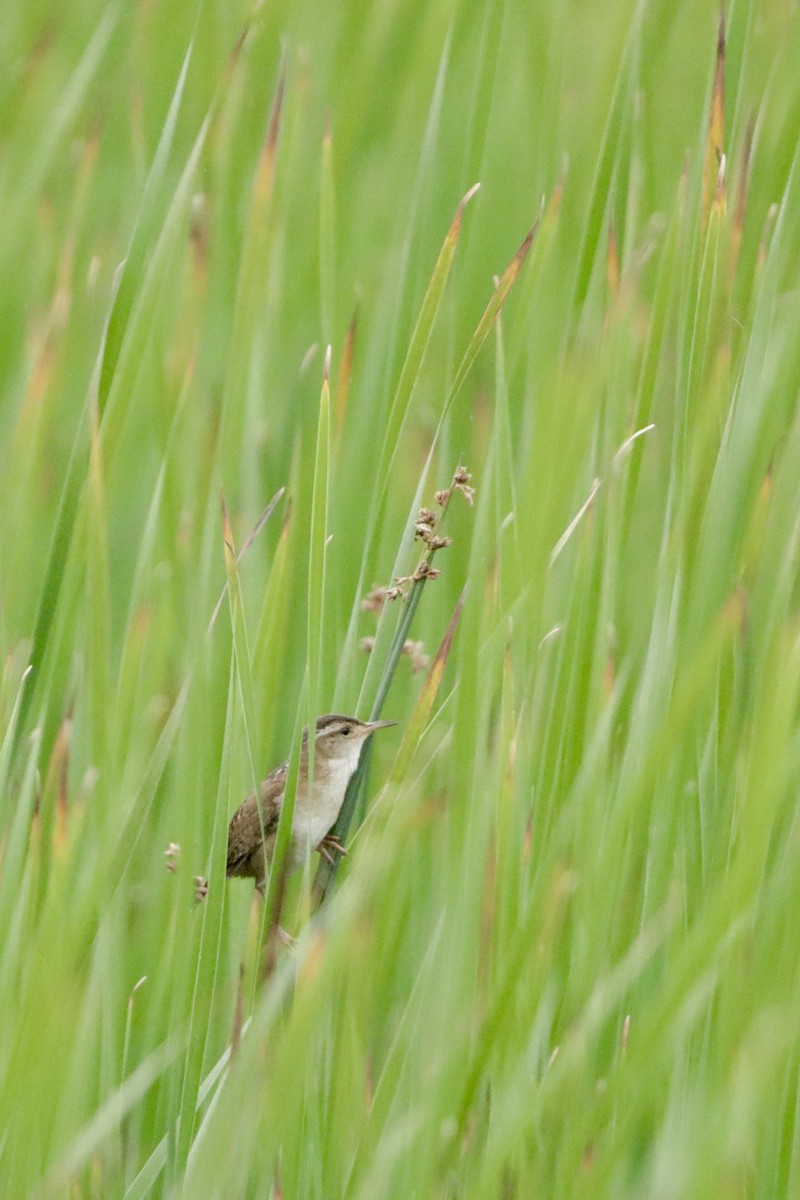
[[425, 529]]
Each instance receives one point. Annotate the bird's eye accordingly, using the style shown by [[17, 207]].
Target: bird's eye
[[346, 729]]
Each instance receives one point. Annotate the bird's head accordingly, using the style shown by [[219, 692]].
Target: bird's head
[[342, 737]]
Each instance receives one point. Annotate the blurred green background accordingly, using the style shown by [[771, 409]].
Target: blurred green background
[[561, 959]]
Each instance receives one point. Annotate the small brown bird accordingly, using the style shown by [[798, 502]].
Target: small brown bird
[[251, 836]]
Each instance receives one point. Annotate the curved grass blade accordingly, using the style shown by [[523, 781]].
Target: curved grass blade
[[419, 343], [427, 697], [490, 314], [327, 236], [251, 537], [713, 169], [317, 555]]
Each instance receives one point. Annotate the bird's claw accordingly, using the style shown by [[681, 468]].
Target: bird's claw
[[331, 843]]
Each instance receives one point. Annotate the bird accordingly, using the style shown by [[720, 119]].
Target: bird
[[251, 834]]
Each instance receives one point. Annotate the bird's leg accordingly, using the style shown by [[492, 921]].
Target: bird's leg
[[286, 938]]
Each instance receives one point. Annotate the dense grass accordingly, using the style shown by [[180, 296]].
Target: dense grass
[[561, 959]]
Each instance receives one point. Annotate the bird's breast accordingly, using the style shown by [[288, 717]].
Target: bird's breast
[[316, 809]]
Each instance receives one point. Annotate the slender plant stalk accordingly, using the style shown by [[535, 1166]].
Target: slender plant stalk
[[427, 528]]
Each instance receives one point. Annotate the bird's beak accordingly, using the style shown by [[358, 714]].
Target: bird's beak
[[373, 725]]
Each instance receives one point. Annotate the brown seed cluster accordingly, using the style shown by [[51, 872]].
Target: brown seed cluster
[[426, 531], [172, 856], [416, 652], [375, 600], [413, 650], [404, 582], [460, 483]]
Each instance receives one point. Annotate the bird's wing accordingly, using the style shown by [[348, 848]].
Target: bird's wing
[[248, 828]]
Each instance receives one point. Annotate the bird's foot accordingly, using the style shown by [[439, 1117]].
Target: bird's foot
[[331, 845]]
